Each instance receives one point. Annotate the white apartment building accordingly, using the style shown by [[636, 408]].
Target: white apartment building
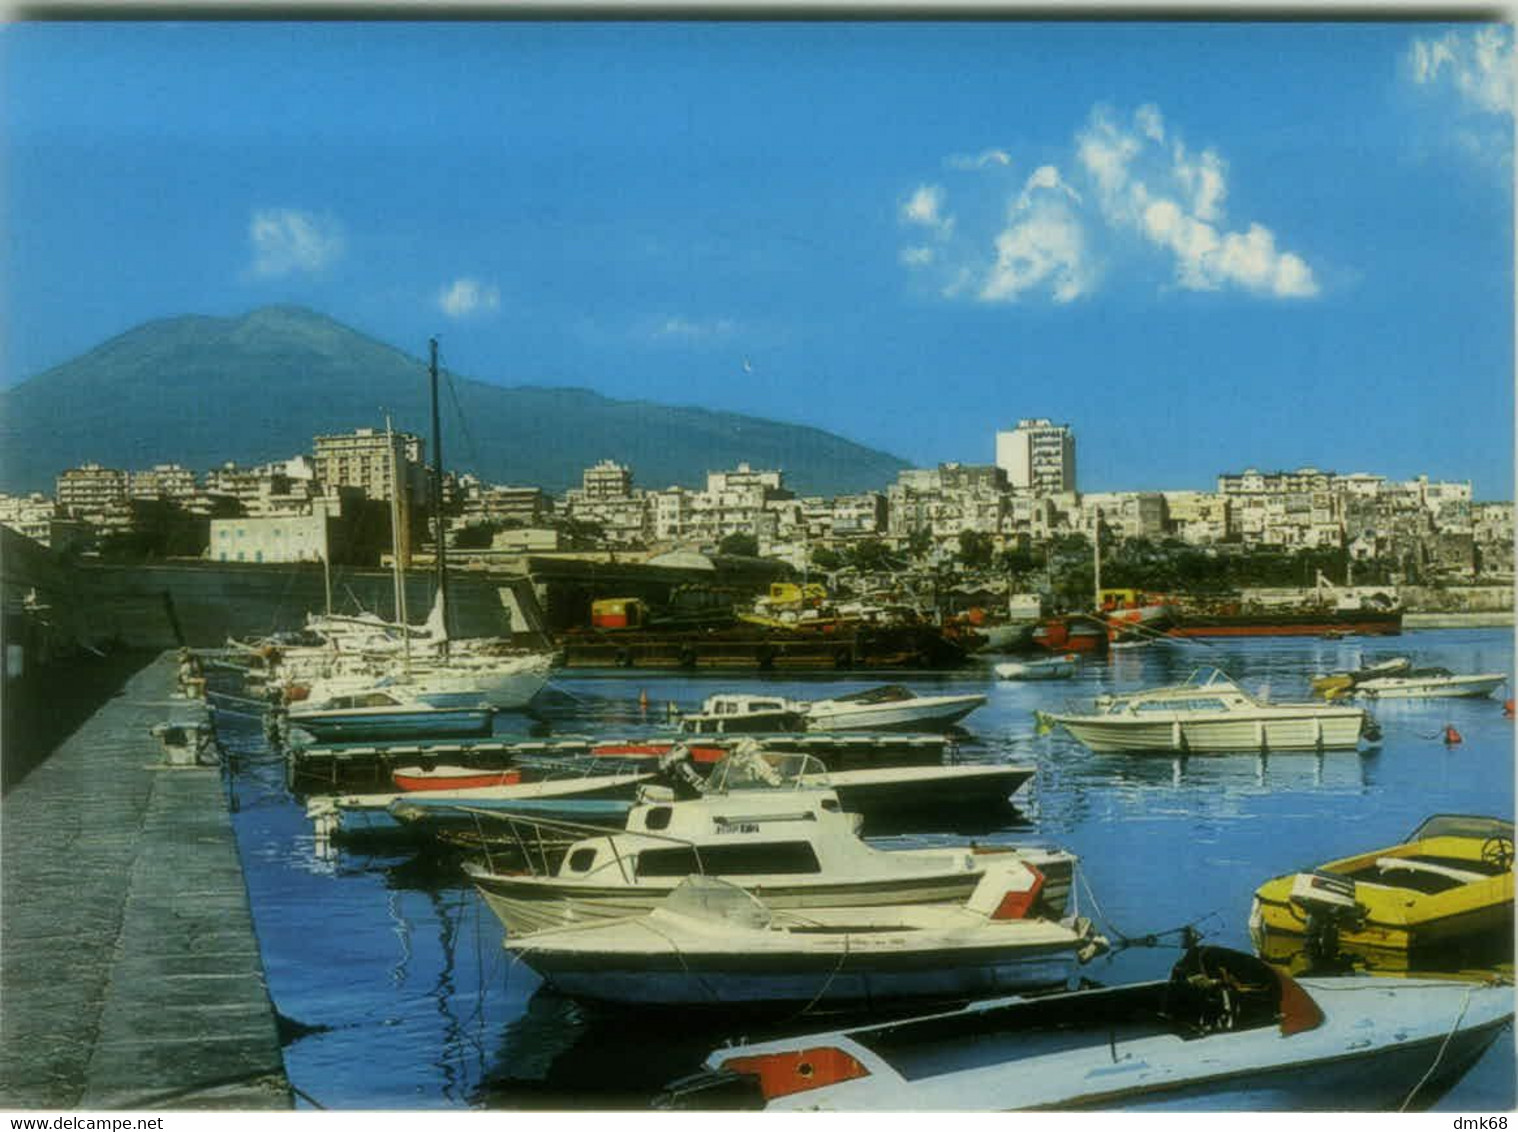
[[163, 481], [275, 538], [367, 458], [1038, 456]]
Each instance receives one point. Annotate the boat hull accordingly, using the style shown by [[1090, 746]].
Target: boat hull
[[1238, 732], [527, 904], [835, 977], [1383, 1044], [1393, 688], [451, 723], [916, 714]]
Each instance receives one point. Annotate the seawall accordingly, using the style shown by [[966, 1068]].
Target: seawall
[[129, 968]]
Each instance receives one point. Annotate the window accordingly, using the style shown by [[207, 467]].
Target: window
[[762, 858], [581, 859]]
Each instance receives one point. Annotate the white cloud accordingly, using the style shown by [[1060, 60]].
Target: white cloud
[[286, 240], [1175, 201], [1133, 184], [466, 296], [1043, 246], [1478, 64], [986, 159], [678, 326], [925, 208]]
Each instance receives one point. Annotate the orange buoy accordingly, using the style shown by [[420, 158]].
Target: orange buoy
[[1451, 736], [1507, 708]]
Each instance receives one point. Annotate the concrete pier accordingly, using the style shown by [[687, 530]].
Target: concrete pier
[[130, 975]]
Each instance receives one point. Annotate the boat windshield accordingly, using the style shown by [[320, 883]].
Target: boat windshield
[[1462, 825], [885, 694], [749, 766]]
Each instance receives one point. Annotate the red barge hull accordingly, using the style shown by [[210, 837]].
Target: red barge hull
[[1289, 625]]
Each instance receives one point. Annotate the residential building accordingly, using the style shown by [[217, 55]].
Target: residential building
[[275, 538], [1038, 456], [367, 458], [90, 491]]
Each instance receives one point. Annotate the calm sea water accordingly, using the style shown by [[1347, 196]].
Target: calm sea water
[[390, 973]]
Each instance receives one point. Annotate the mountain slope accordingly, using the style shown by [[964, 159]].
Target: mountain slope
[[199, 391]]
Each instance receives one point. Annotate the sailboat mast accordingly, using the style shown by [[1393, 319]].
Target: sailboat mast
[[437, 491], [398, 569]]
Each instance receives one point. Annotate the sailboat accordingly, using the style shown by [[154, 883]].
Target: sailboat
[[447, 673]]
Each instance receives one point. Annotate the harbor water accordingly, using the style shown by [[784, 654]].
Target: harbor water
[[394, 992]]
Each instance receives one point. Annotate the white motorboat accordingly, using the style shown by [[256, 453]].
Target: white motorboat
[[391, 712], [710, 943], [1225, 1031], [1047, 668], [889, 707], [352, 816], [1428, 683], [790, 839], [1207, 714], [1337, 684]]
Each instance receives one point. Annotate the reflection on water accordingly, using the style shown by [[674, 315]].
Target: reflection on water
[[403, 997]]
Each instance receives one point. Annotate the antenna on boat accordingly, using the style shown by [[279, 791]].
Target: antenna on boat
[[437, 490]]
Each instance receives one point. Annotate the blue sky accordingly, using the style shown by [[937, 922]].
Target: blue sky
[[1204, 247]]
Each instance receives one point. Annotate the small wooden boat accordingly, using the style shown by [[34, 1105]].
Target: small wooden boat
[[411, 778], [1049, 668], [1225, 1031], [1450, 881], [1209, 714], [710, 943]]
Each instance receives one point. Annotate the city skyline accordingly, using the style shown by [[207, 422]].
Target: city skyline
[[1204, 247]]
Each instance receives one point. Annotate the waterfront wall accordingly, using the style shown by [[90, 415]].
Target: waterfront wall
[[202, 604], [1414, 599]]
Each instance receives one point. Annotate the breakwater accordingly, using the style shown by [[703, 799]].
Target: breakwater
[[129, 968]]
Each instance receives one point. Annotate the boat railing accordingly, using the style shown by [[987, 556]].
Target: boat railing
[[533, 848]]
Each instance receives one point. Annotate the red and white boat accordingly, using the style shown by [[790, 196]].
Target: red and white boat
[[657, 749], [409, 778]]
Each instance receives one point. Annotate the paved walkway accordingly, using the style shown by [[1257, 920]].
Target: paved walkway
[[129, 971]]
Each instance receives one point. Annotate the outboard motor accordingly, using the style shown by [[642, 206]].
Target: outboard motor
[[675, 767], [1328, 900]]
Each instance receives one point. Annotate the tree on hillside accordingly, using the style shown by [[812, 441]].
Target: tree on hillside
[[739, 544], [974, 549], [826, 559], [871, 555]]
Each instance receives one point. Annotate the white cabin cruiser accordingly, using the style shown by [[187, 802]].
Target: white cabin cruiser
[[889, 707], [790, 839], [1207, 714]]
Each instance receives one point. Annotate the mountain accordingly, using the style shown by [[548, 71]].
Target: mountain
[[199, 391]]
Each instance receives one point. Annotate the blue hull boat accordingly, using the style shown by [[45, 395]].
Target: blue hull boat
[[1225, 1031]]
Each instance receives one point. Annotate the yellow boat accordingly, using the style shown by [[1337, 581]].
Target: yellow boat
[[1449, 884]]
